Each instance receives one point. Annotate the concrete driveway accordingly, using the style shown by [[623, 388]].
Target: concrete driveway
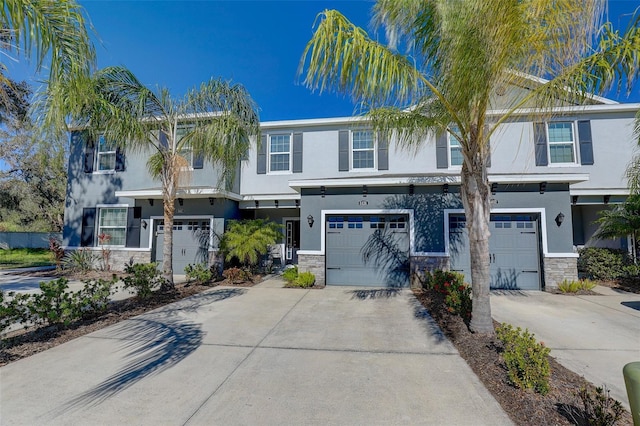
[[595, 336], [262, 355]]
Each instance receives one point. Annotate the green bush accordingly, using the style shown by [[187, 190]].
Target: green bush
[[457, 294], [247, 240], [599, 408], [201, 273], [142, 279], [603, 263], [93, 299], [81, 260], [54, 304], [290, 274], [575, 286], [526, 359], [303, 280]]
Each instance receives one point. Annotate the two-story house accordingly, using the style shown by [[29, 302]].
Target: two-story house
[[357, 210]]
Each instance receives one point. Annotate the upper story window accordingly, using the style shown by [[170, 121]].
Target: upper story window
[[280, 153], [455, 150], [561, 142], [112, 226], [362, 150], [185, 150], [106, 158]]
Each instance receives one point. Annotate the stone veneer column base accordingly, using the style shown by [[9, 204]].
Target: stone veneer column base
[[557, 269], [120, 258], [313, 263], [419, 264]]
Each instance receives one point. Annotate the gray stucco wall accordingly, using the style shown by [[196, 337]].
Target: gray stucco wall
[[428, 204]]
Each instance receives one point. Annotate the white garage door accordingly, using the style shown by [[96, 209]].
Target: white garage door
[[514, 255], [367, 250], [190, 243]]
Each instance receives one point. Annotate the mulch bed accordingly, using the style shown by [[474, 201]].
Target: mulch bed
[[23, 343], [561, 406]]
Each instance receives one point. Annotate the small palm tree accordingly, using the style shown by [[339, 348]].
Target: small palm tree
[[458, 55], [621, 221], [215, 121], [247, 240]]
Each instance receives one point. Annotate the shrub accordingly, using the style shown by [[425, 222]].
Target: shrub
[[82, 260], [143, 279], [303, 280], [54, 304], [526, 359], [457, 294], [57, 250], [290, 274], [573, 286], [602, 263], [14, 310], [599, 408], [93, 299], [200, 273], [237, 275]]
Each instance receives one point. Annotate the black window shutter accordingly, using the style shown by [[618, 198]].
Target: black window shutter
[[442, 151], [134, 216], [262, 156], [540, 139], [383, 152], [119, 160], [88, 227], [89, 151], [343, 151], [586, 142], [297, 153], [198, 161]]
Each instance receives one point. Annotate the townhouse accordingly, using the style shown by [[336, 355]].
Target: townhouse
[[358, 210]]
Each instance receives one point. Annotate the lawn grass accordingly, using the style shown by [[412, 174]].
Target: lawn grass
[[25, 258]]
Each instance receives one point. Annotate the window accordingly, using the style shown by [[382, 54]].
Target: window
[[185, 150], [455, 150], [561, 142], [363, 150], [113, 223], [106, 154], [279, 153]]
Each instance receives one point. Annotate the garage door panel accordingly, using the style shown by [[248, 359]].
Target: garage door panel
[[513, 247], [366, 251]]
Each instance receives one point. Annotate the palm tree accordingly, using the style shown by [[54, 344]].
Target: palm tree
[[215, 121], [459, 53], [53, 32], [246, 240], [621, 221]]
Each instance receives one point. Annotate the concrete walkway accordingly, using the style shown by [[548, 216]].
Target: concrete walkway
[[262, 355], [595, 336]]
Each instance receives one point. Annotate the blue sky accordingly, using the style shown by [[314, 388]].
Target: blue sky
[[179, 44]]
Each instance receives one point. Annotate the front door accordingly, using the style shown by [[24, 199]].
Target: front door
[[292, 241]]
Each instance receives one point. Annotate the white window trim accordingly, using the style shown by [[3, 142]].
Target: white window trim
[[97, 227], [190, 160], [449, 156], [374, 149], [269, 153], [96, 165], [575, 151]]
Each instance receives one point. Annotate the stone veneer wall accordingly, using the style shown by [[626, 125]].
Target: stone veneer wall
[[119, 258], [557, 269], [420, 264], [313, 263]]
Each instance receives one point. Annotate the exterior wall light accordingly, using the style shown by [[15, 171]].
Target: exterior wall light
[[144, 224], [310, 221], [559, 219]]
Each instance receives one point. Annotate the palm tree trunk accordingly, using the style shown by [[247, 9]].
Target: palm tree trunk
[[169, 198], [475, 193]]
